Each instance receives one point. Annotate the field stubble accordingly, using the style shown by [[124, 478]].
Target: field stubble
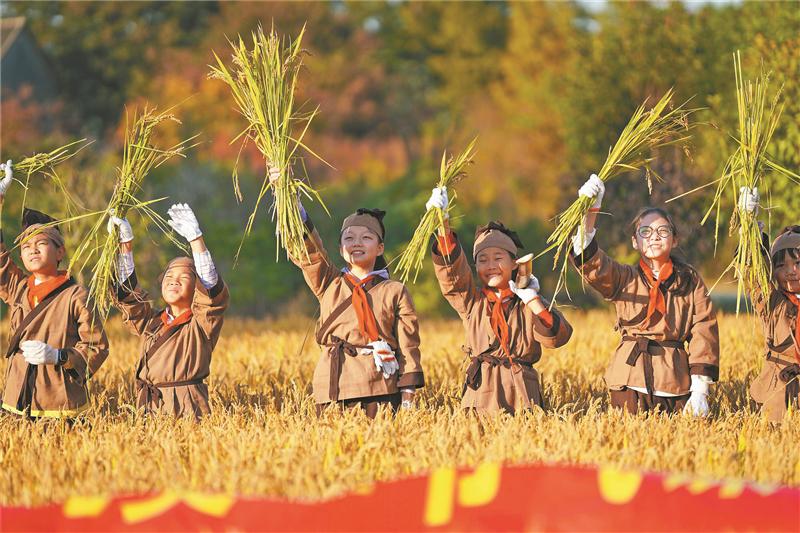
[[263, 437]]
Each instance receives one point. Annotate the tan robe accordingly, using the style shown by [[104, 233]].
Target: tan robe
[[176, 369], [66, 323], [500, 386], [397, 323], [690, 325], [777, 384]]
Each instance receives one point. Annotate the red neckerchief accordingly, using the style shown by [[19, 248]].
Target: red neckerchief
[[37, 293], [657, 301], [796, 301], [366, 317], [498, 317], [182, 318]]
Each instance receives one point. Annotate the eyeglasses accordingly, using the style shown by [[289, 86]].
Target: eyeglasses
[[645, 232]]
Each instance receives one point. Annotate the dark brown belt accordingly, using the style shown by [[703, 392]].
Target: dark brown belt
[[474, 374], [340, 348], [153, 390], [648, 348], [791, 376]]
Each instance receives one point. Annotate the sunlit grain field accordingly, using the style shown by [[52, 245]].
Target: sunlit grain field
[[264, 438]]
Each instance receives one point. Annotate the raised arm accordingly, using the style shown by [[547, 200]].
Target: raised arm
[[11, 276], [749, 203], [604, 274], [318, 270], [131, 300], [450, 263], [211, 295]]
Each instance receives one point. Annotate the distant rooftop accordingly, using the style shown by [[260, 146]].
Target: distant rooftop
[[9, 30]]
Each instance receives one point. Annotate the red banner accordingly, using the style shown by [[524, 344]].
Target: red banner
[[491, 497]]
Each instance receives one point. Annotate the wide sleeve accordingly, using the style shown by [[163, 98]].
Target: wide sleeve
[[704, 335], [408, 357], [11, 276], [91, 350], [602, 273], [134, 304], [455, 277], [318, 270], [208, 308], [553, 332]]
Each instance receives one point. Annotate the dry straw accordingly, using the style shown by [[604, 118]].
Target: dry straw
[[647, 130], [759, 115], [46, 164], [451, 171], [263, 80], [140, 157]]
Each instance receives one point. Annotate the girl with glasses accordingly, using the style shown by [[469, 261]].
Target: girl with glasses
[[669, 351]]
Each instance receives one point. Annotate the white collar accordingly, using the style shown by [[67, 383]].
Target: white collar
[[383, 273]]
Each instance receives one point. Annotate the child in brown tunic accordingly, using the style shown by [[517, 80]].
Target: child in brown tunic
[[776, 388], [669, 353], [506, 325], [178, 341], [367, 326], [56, 343]]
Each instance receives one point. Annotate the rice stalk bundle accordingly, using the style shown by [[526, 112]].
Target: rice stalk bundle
[[646, 131], [263, 81], [140, 157], [46, 163], [451, 171], [759, 115]]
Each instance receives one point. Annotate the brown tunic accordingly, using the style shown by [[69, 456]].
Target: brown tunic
[[175, 360], [339, 365], [683, 342], [66, 323], [493, 383], [777, 385]]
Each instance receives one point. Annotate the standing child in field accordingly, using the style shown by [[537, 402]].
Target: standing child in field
[[367, 326], [777, 388], [506, 325], [177, 342], [669, 352], [56, 344]]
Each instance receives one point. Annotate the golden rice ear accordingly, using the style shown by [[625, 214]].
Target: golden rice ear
[[451, 171]]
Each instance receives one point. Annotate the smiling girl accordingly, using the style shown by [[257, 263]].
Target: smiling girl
[[669, 353], [777, 388], [177, 341], [506, 325], [367, 327]]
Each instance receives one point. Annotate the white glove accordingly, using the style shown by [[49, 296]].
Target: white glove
[[438, 200], [183, 221], [274, 173], [593, 188], [8, 172], [384, 358], [748, 200], [125, 230], [38, 353], [697, 404], [528, 293]]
